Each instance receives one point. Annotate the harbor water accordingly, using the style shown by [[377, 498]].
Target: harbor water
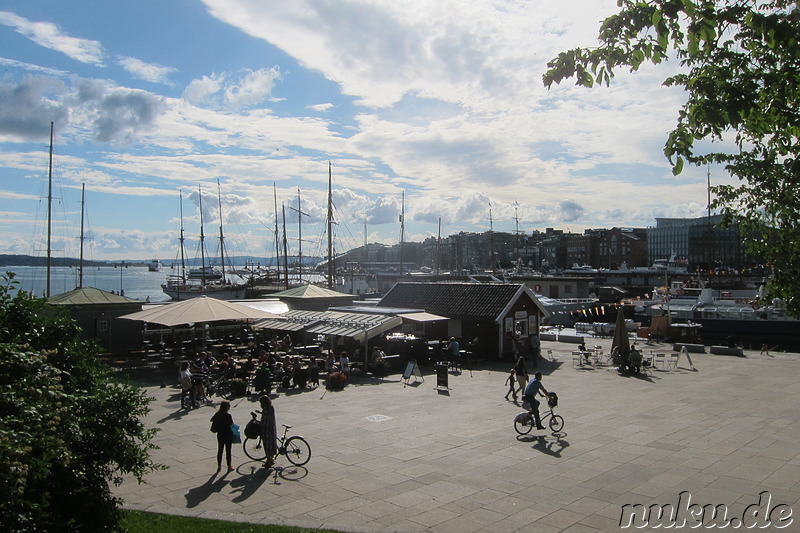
[[132, 281]]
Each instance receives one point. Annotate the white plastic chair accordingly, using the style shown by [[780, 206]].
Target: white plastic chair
[[672, 362]]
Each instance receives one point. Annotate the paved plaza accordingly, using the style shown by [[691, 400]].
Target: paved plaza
[[407, 458]]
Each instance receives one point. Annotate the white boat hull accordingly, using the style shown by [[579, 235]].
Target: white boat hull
[[221, 292]]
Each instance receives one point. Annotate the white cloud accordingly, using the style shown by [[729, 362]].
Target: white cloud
[[231, 92], [253, 88], [146, 71], [322, 108], [49, 35]]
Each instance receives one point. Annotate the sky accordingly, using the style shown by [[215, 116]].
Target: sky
[[433, 108]]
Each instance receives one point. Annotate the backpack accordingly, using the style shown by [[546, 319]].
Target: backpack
[[214, 426]]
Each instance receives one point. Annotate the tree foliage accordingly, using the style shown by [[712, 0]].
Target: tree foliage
[[67, 429], [740, 67]]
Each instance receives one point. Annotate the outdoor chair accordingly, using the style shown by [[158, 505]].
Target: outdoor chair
[[660, 359], [672, 362], [577, 359], [552, 357]]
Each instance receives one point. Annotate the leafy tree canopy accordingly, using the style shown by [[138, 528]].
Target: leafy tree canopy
[[740, 67], [67, 429]]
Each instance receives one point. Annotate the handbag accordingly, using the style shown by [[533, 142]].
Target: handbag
[[237, 437]]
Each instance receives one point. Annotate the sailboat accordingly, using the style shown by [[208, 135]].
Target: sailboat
[[203, 281]]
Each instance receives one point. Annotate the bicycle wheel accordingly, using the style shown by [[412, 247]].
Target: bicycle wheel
[[556, 422], [225, 389], [297, 451], [523, 423], [254, 449]]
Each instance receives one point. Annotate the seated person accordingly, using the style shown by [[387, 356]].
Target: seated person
[[635, 361], [313, 372], [299, 374], [262, 381]]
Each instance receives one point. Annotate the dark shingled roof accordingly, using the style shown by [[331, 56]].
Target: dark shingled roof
[[453, 300]]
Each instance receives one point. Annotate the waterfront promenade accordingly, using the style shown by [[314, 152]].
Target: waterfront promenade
[[391, 457]]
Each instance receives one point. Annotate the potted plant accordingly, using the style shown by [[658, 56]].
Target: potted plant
[[380, 368], [337, 380], [238, 387]]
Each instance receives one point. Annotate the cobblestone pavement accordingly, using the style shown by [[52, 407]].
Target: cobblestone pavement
[[394, 457]]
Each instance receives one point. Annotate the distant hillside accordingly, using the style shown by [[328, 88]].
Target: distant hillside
[[30, 260]]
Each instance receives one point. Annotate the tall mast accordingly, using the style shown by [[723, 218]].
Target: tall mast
[[491, 239], [402, 229], [277, 238], [221, 236], [181, 240], [285, 251], [49, 211], [202, 241], [516, 240], [80, 263], [330, 230], [439, 248], [299, 239], [299, 235]]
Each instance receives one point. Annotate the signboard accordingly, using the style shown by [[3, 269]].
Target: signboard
[[441, 376], [412, 369]]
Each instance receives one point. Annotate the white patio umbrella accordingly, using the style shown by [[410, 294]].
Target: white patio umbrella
[[198, 310]]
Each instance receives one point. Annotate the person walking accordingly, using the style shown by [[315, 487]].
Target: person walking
[[533, 388], [221, 424], [269, 430], [521, 370], [511, 381]]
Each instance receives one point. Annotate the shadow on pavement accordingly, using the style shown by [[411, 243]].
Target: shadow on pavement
[[198, 495]]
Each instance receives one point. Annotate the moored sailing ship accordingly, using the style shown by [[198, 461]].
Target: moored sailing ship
[[203, 281]]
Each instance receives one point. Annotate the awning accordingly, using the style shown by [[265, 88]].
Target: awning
[[334, 323], [422, 317], [280, 324], [355, 329]]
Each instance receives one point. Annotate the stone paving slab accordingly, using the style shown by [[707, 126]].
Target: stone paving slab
[[410, 458]]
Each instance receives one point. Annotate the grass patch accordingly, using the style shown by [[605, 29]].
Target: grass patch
[[143, 522]]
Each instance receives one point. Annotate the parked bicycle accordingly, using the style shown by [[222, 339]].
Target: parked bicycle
[[525, 422], [295, 448]]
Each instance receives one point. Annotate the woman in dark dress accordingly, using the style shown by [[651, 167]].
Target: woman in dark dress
[[221, 424], [269, 430]]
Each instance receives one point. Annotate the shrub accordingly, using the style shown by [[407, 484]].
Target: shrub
[[238, 387], [380, 368], [337, 380], [68, 430]]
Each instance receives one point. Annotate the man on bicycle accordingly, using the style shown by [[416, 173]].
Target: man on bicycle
[[535, 386]]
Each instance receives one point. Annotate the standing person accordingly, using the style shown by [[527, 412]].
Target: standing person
[[535, 387], [344, 362], [269, 430], [512, 384], [187, 387], [536, 349], [521, 370], [221, 424], [455, 350]]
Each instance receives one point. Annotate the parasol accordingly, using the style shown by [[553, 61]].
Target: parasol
[[198, 310]]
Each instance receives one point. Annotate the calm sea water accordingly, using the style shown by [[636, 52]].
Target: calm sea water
[[135, 282]]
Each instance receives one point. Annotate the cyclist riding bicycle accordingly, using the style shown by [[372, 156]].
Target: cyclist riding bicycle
[[535, 387]]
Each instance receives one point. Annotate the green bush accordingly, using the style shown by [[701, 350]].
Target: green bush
[[67, 429]]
